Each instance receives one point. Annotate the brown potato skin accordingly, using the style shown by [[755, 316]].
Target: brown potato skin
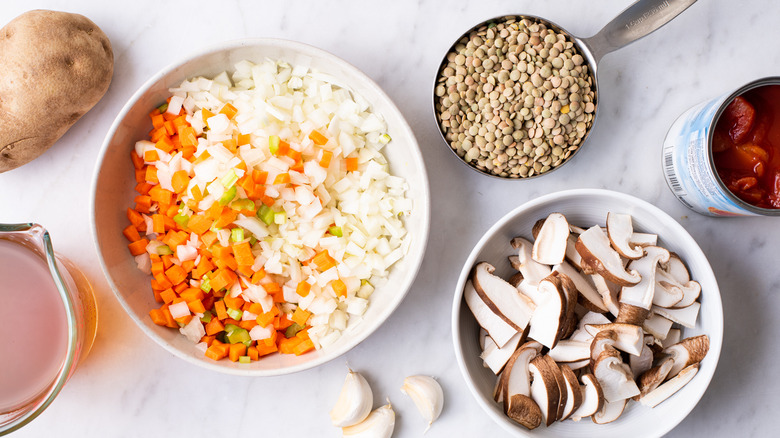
[[56, 66]]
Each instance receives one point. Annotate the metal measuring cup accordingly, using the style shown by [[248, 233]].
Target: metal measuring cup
[[638, 20]]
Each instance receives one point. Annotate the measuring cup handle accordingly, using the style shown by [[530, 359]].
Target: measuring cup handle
[[637, 21]]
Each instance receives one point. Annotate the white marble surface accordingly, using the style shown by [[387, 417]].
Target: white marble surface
[[129, 386]]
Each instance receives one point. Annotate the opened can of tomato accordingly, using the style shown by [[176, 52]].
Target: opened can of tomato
[[722, 157]]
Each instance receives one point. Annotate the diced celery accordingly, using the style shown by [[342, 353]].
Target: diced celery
[[273, 144], [234, 313], [206, 318], [385, 138], [228, 196], [243, 204], [265, 214], [182, 220], [164, 250], [252, 241], [235, 334], [229, 180], [336, 231], [205, 284], [293, 330], [280, 218], [163, 108], [237, 234], [244, 359]]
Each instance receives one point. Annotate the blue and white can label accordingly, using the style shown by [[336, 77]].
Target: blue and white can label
[[688, 164]]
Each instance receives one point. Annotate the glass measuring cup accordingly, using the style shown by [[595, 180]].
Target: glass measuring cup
[[48, 321], [638, 20]]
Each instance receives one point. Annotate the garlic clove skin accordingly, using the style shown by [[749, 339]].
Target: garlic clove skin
[[427, 395], [379, 424], [354, 403]]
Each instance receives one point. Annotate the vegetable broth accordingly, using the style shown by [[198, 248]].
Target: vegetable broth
[[33, 326]]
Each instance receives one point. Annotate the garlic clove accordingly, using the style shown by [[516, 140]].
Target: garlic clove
[[427, 395], [379, 424], [354, 403]]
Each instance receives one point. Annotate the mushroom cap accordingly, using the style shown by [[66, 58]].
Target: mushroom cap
[[584, 286], [515, 379], [523, 261], [524, 410], [650, 379], [550, 313], [619, 230], [670, 387], [610, 412], [550, 242], [544, 389], [614, 376], [628, 337], [495, 326], [592, 398], [598, 256], [501, 297], [573, 392], [687, 352]]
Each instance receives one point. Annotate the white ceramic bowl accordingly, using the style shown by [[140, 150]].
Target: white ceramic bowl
[[113, 193], [587, 207]]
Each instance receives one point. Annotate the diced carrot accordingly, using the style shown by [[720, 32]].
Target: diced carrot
[[230, 144], [282, 322], [252, 353], [184, 320], [265, 349], [208, 339], [131, 233], [138, 162], [138, 247], [151, 175], [158, 120], [143, 188], [259, 176], [323, 260], [216, 352], [214, 326], [318, 138], [287, 345], [300, 316], [271, 288], [199, 224], [179, 288], [268, 317], [196, 306], [158, 224], [248, 324], [257, 276], [255, 308], [233, 302], [205, 115], [282, 178], [226, 218], [236, 350], [339, 287], [168, 295], [165, 144], [243, 253], [326, 157], [224, 279], [228, 110], [219, 306], [192, 294], [188, 136], [161, 195], [303, 347], [151, 155], [351, 164], [143, 203], [176, 274], [136, 219], [157, 316], [169, 321], [180, 180], [140, 175], [303, 289], [243, 139]]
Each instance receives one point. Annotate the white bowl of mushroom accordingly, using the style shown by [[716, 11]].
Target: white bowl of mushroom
[[587, 313]]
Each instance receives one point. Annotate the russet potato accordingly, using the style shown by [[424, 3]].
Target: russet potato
[[56, 66]]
